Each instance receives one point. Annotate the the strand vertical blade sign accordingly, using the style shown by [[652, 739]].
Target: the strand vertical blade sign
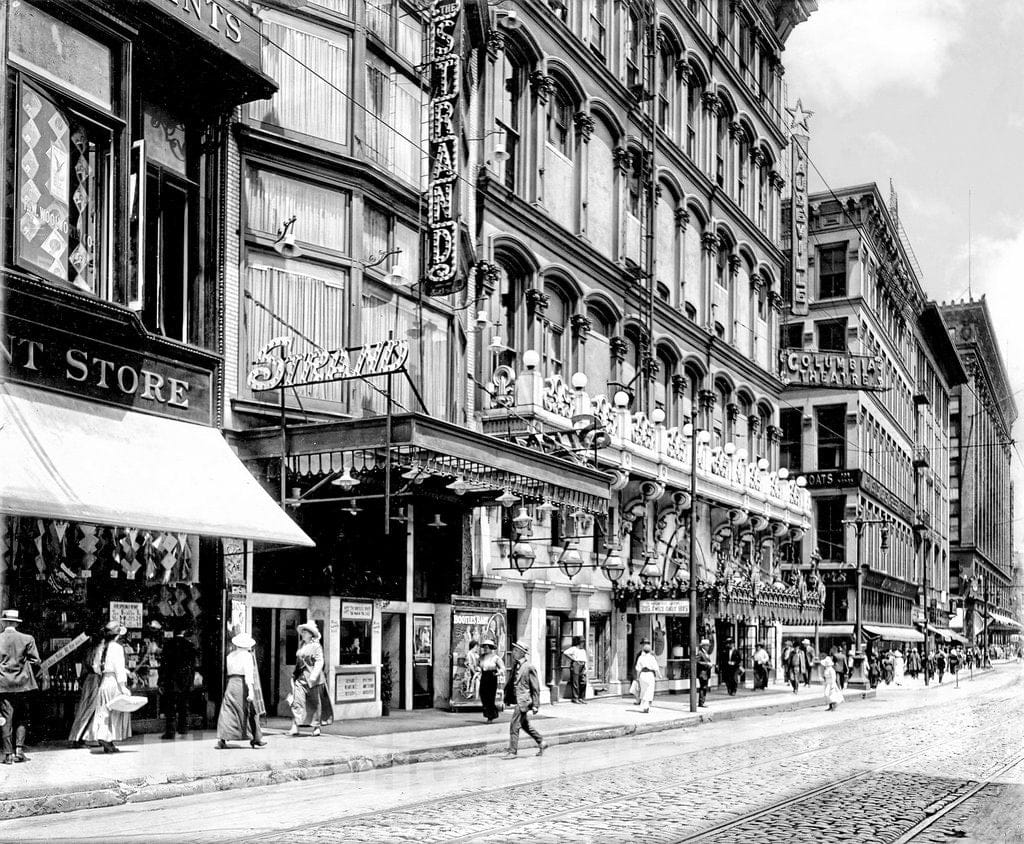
[[442, 272]]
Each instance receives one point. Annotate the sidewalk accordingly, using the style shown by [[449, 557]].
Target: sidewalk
[[59, 779]]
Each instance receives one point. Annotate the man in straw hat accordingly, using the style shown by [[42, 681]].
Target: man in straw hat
[[704, 665], [523, 691], [19, 664]]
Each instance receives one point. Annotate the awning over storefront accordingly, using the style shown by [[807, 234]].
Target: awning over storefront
[[1005, 620], [894, 634], [64, 458], [948, 635], [822, 630], [435, 446]]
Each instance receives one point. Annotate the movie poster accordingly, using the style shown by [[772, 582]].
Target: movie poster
[[475, 620]]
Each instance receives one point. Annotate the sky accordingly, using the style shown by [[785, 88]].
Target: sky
[[930, 94]]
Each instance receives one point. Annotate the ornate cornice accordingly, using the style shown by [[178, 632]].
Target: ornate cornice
[[537, 301], [709, 240], [678, 384], [496, 41], [622, 158], [488, 276], [682, 217], [734, 264], [711, 102], [618, 347]]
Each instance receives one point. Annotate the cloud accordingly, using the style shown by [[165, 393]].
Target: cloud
[[886, 148], [851, 50]]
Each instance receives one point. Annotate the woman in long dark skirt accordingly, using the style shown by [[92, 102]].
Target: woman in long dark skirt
[[239, 719], [88, 694], [491, 665]]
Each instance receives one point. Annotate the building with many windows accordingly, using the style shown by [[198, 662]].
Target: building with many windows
[[982, 414], [866, 422], [566, 219]]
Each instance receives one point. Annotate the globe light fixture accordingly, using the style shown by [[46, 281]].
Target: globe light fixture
[[621, 399], [458, 486], [783, 473], [730, 449], [507, 499], [658, 416], [612, 566], [531, 358], [704, 437], [801, 481], [523, 556], [579, 381], [570, 560], [763, 464]]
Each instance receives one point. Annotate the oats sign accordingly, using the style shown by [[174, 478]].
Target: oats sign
[[442, 272]]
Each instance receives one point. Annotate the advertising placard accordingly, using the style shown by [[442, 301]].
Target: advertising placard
[[127, 614], [473, 621]]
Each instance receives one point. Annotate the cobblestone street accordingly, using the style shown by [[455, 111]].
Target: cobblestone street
[[872, 772]]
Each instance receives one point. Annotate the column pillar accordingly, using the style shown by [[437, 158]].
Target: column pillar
[[533, 620]]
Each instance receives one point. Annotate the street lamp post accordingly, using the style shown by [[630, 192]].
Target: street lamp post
[[859, 523]]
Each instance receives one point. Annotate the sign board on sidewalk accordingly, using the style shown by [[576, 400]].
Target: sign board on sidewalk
[[352, 686], [474, 620]]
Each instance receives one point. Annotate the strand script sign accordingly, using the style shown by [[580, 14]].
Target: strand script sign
[[831, 370], [442, 274], [275, 367]]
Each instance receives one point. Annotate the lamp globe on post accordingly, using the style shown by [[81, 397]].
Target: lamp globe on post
[[612, 566]]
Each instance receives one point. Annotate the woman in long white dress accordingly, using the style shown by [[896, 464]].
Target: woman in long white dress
[[647, 672], [833, 694], [108, 725], [899, 667]]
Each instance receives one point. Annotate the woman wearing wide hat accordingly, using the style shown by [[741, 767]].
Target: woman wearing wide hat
[[239, 714], [491, 666], [110, 725], [310, 701]]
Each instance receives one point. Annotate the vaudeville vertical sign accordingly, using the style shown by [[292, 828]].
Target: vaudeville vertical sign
[[442, 273], [799, 139]]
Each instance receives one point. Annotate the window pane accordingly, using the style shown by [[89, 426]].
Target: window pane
[[63, 167], [305, 102], [322, 213], [309, 298], [376, 226], [60, 53], [429, 364]]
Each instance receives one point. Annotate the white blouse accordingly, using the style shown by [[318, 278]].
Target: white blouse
[[113, 664], [240, 662]]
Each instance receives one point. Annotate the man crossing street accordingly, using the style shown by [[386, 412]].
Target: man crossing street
[[19, 664], [523, 692]]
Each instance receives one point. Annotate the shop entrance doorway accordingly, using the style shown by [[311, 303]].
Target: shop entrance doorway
[[391, 650], [560, 633], [277, 641]]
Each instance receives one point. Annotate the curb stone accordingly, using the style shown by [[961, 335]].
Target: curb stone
[[37, 800]]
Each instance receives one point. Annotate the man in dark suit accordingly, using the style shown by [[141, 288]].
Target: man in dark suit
[[177, 672], [523, 691], [19, 663], [704, 666], [731, 666]]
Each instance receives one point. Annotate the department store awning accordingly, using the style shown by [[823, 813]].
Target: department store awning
[[415, 440], [948, 635], [1005, 620], [894, 634], [68, 459], [808, 630]]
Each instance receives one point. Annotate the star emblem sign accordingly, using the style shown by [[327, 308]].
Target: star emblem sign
[[798, 117]]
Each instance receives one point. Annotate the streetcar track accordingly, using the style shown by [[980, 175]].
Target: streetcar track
[[346, 820], [711, 833], [925, 824]]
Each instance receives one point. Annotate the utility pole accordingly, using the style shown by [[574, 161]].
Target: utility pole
[[918, 545], [859, 523]]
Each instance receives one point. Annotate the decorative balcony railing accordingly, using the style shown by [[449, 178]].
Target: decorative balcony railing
[[732, 474]]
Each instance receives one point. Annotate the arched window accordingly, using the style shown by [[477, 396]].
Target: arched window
[[510, 114], [555, 351], [667, 245], [602, 190], [668, 82], [664, 388], [560, 129], [634, 46], [743, 173], [503, 341], [597, 360], [764, 413], [635, 188], [631, 366], [746, 408], [694, 87]]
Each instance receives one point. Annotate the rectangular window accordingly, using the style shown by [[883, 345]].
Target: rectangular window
[[791, 445], [832, 271], [830, 528], [791, 335], [831, 335], [383, 233], [598, 26], [63, 192], [831, 427], [392, 121], [311, 298], [305, 103], [61, 55], [322, 213]]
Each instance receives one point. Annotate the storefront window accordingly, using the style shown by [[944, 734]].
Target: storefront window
[[355, 635]]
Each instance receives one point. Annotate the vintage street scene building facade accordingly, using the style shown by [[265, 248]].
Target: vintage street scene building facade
[[983, 412], [119, 499], [866, 424]]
